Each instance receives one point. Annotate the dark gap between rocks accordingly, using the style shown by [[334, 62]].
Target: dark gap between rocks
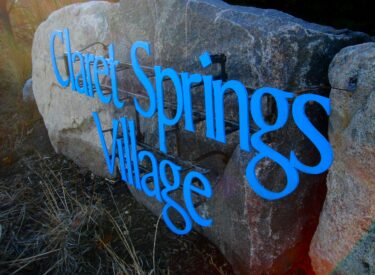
[[343, 14]]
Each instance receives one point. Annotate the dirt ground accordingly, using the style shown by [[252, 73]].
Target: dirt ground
[[56, 218]]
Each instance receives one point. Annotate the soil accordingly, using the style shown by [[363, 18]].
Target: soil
[[28, 161], [82, 236]]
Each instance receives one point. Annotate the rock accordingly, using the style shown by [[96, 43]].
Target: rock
[[66, 114], [345, 238], [263, 48], [27, 91]]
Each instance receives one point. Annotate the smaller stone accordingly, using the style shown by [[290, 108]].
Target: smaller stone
[[344, 242]]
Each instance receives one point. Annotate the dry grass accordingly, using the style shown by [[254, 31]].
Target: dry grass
[[56, 219], [45, 227], [53, 218]]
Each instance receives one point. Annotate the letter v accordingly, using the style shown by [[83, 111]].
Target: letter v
[[110, 159]]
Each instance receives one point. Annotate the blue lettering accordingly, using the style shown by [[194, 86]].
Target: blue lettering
[[153, 175], [113, 64], [106, 99], [143, 79], [264, 150], [320, 142], [243, 103], [163, 119], [81, 74], [189, 188], [110, 159], [62, 82], [170, 203]]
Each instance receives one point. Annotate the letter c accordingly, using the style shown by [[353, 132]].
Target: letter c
[[62, 82]]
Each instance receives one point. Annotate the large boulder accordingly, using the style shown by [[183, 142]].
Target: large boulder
[[67, 114], [344, 240], [263, 48]]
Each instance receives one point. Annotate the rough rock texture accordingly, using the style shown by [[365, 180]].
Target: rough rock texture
[[263, 48], [345, 239], [67, 114]]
